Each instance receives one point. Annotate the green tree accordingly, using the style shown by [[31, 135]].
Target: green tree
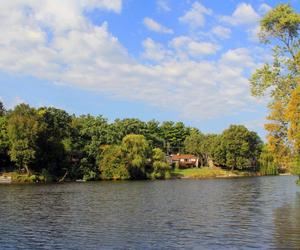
[[239, 148], [22, 131], [2, 109], [54, 129], [112, 165], [173, 135], [267, 162], [195, 144], [160, 167], [128, 126], [88, 134], [153, 134], [4, 144], [217, 150], [279, 27], [135, 150]]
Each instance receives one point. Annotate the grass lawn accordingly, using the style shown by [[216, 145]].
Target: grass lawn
[[205, 172]]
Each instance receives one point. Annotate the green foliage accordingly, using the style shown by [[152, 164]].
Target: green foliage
[[217, 150], [2, 109], [88, 171], [52, 144], [128, 126], [24, 178], [54, 129], [238, 148], [161, 168], [267, 162], [4, 143], [296, 166], [22, 131], [153, 134], [112, 165], [195, 144], [47, 177], [173, 135], [135, 149]]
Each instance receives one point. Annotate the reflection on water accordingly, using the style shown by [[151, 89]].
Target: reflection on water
[[287, 224], [216, 214]]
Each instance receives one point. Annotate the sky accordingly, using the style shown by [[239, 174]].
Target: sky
[[178, 60]]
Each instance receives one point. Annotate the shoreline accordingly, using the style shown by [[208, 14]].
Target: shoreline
[[177, 174]]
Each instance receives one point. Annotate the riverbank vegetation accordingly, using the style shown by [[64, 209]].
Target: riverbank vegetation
[[279, 80], [48, 144]]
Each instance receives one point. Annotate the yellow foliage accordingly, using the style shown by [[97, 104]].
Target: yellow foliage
[[293, 115], [278, 130]]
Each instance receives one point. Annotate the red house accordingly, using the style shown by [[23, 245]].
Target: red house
[[184, 161]]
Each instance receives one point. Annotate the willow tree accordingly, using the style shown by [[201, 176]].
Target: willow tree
[[135, 149], [277, 79]]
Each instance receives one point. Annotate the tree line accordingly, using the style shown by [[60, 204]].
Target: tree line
[[55, 144]]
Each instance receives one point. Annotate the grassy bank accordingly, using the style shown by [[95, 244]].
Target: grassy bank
[[24, 178], [190, 173], [202, 173]]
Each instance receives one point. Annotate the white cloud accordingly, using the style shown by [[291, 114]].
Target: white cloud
[[243, 14], [192, 47], [154, 51], [253, 33], [264, 8], [156, 27], [163, 5], [221, 32], [239, 57], [112, 5], [81, 54], [195, 17]]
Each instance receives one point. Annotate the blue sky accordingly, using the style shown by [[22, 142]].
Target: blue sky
[[152, 59]]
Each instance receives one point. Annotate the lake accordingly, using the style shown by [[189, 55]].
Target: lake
[[258, 212]]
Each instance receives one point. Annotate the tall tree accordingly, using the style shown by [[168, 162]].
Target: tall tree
[[279, 27], [153, 134], [195, 144], [4, 144], [173, 135], [22, 131], [128, 126], [88, 134], [54, 129]]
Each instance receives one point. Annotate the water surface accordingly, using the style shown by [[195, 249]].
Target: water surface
[[259, 212]]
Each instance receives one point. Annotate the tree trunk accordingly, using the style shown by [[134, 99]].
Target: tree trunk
[[63, 178], [27, 170]]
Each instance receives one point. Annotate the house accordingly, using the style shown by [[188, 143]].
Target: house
[[184, 161]]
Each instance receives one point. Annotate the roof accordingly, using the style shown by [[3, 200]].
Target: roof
[[183, 156]]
